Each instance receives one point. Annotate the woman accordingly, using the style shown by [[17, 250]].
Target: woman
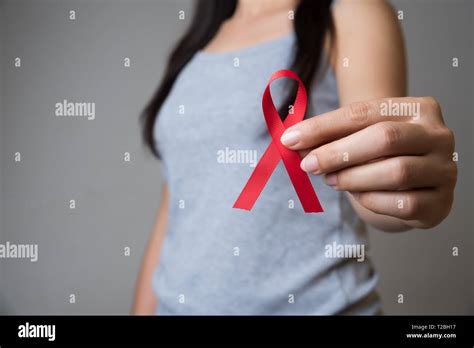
[[366, 165]]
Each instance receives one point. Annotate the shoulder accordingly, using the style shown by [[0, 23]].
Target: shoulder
[[365, 23], [370, 13]]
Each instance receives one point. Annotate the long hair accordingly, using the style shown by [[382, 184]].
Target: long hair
[[312, 21]]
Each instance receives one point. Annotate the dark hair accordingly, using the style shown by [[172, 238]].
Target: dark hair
[[312, 21]]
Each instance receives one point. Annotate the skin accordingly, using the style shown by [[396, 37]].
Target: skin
[[145, 301], [390, 159], [399, 169]]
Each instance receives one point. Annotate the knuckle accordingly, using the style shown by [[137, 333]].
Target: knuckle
[[311, 131], [449, 138], [444, 202], [327, 158], [403, 172], [411, 209], [452, 175], [444, 139], [389, 135], [431, 105], [343, 181], [359, 112], [369, 200]]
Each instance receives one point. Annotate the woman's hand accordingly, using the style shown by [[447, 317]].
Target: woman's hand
[[397, 166]]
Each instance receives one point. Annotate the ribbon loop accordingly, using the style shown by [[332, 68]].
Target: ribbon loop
[[276, 151]]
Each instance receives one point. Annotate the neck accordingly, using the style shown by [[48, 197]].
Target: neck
[[257, 8]]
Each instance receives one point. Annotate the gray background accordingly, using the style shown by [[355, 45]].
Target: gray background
[[81, 251]]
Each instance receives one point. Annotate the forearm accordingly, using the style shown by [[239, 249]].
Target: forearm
[[145, 301], [363, 81]]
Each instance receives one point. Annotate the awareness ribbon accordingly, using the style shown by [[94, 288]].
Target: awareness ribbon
[[276, 151]]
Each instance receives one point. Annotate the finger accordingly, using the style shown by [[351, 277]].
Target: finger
[[422, 208], [346, 120], [395, 173], [380, 140]]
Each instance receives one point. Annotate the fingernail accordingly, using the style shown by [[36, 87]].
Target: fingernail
[[290, 138], [331, 179], [310, 164]]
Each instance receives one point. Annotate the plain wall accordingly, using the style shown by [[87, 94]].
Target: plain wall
[[81, 251], [420, 264]]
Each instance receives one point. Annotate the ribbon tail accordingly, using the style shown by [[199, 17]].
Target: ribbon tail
[[258, 179], [304, 189], [300, 180]]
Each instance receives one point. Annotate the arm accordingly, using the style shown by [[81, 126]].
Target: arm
[[145, 301], [368, 36], [398, 169]]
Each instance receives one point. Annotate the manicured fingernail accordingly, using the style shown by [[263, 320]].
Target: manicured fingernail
[[290, 138], [331, 179], [310, 164]]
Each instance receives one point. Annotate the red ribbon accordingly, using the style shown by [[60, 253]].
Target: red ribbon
[[276, 151]]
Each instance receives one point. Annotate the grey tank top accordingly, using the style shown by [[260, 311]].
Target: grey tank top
[[274, 259]]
